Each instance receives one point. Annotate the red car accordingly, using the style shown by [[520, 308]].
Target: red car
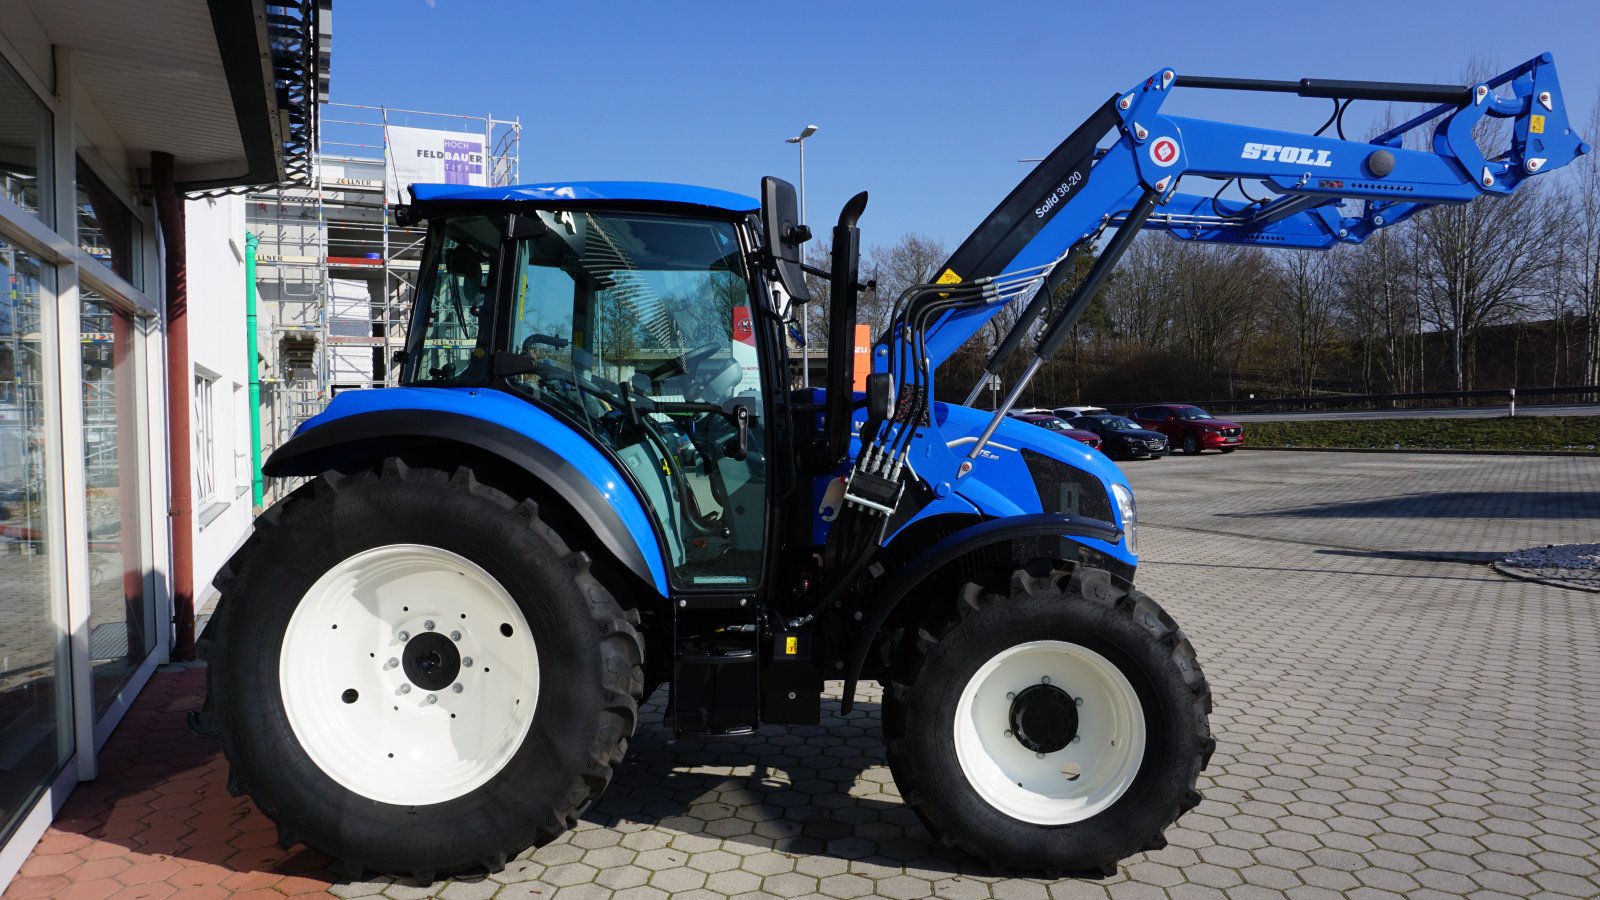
[[1190, 427], [1056, 423]]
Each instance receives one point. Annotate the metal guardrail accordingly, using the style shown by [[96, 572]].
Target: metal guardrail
[[1546, 396]]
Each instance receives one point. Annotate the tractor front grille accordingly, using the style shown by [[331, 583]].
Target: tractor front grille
[[1065, 489]]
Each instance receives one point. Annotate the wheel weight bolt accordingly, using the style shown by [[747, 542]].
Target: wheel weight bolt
[[404, 689], [428, 625], [456, 687], [432, 700], [455, 635]]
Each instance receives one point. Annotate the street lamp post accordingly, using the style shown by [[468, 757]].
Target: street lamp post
[[805, 320]]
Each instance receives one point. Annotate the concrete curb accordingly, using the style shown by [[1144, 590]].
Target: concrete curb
[[1522, 574]]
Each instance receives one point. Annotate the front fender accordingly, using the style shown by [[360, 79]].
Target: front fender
[[358, 424]]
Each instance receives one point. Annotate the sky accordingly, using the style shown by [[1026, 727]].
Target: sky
[[925, 105]]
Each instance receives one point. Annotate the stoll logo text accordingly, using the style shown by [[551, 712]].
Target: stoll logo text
[[1304, 156]]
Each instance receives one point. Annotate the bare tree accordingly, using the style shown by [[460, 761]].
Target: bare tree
[[1302, 301], [912, 260], [1378, 290], [1481, 262], [1139, 304], [1582, 253]]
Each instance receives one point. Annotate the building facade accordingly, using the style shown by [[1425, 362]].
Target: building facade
[[109, 110]]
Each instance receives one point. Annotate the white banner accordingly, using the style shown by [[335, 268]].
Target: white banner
[[425, 156]]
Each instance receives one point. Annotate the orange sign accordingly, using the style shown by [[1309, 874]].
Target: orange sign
[[863, 356]]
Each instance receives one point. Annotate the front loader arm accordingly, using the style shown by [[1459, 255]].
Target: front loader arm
[[1078, 191]]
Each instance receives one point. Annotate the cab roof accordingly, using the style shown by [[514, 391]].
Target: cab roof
[[607, 191]]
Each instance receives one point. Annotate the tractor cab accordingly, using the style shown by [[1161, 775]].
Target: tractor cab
[[630, 316]]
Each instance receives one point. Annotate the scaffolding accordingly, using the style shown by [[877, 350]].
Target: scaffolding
[[336, 276]]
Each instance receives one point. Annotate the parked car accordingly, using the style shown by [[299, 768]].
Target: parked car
[[1190, 427], [1069, 412], [1019, 412], [1058, 424], [1121, 437]]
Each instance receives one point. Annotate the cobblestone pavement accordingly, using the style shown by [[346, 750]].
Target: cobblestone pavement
[[1388, 723]]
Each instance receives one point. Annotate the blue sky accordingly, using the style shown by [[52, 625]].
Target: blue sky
[[926, 105]]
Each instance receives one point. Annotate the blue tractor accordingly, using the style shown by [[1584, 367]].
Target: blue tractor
[[595, 480]]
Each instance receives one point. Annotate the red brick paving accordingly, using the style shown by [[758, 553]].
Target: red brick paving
[[158, 822]]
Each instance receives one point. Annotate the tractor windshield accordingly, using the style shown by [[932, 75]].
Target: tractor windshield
[[639, 331]]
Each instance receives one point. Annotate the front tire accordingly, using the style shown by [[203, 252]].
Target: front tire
[[416, 675], [1061, 727], [1191, 444]]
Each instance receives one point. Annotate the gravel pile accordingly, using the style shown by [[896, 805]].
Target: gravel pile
[[1574, 566]]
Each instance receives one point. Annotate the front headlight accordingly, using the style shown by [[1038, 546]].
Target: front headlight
[[1129, 511]]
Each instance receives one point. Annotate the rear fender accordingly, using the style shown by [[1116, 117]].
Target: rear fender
[[359, 426], [936, 556]]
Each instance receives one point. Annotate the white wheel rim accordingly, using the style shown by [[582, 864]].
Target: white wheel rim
[[1105, 754], [398, 741]]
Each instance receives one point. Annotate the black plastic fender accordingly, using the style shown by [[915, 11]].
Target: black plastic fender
[[939, 554], [364, 436]]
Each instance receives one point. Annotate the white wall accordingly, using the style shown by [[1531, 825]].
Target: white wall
[[215, 242]]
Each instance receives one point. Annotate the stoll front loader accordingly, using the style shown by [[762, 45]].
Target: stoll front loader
[[594, 480]]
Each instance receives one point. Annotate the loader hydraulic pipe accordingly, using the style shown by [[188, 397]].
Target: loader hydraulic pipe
[[1074, 307], [1400, 92], [1024, 323]]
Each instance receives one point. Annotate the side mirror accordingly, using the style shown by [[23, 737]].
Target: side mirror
[[1170, 419], [880, 396], [780, 214]]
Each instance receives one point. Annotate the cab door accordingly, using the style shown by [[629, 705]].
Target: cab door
[[637, 328]]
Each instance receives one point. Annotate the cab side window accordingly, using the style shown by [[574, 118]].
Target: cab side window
[[450, 339]]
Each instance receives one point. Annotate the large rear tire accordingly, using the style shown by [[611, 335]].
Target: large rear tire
[[1061, 728], [415, 674]]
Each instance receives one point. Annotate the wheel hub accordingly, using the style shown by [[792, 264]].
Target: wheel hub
[[431, 661], [1044, 718]]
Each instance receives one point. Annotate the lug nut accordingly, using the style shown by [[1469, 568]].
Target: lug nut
[[1008, 734], [1011, 695], [428, 624], [404, 689], [456, 687], [1038, 756], [404, 636], [1078, 701], [466, 661], [432, 699], [391, 663], [1077, 738], [1045, 680], [455, 635]]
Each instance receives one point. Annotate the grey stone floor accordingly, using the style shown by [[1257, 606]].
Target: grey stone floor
[[1394, 718]]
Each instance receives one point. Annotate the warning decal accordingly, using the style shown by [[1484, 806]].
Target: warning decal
[[1536, 124], [1163, 151], [948, 277]]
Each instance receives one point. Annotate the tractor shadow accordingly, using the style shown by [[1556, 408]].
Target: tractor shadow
[[820, 790], [1448, 505], [800, 790]]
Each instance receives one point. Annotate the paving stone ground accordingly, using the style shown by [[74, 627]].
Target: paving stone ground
[[1394, 719]]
